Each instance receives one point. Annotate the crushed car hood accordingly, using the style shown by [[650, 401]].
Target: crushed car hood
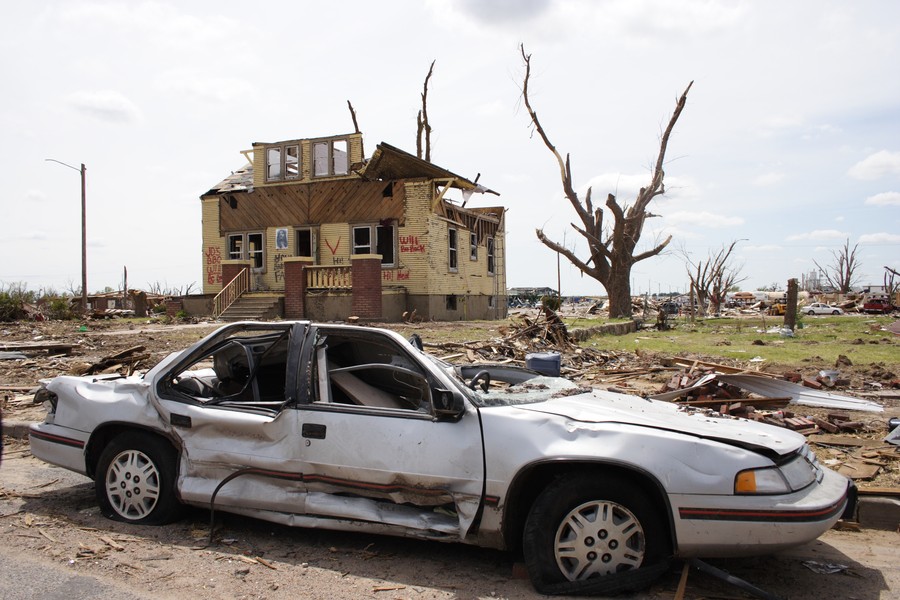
[[600, 406]]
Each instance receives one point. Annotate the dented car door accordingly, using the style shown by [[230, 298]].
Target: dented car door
[[373, 448]]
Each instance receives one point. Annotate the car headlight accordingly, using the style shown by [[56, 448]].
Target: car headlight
[[799, 471], [768, 480]]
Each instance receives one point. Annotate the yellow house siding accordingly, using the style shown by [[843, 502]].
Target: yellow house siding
[[413, 239], [214, 251], [334, 244]]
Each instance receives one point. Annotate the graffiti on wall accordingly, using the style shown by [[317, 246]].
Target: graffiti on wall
[[213, 265], [411, 244], [278, 266], [395, 275]]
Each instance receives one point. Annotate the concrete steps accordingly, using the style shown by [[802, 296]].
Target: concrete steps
[[254, 307]]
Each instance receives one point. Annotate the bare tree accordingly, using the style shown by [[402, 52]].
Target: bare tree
[[422, 124], [842, 273], [611, 247], [710, 279], [891, 286]]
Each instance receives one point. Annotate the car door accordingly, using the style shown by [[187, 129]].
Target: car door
[[226, 401], [374, 449]]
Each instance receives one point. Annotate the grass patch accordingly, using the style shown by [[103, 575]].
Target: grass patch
[[819, 340]]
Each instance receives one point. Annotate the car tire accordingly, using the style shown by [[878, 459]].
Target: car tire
[[811, 313], [835, 312], [594, 534], [135, 480]]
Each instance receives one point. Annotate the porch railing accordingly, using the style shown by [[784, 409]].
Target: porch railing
[[231, 292], [329, 278]]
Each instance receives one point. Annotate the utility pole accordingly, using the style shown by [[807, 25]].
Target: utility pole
[[84, 305]]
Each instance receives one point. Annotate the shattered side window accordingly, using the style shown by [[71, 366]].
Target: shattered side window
[[246, 371], [369, 371]]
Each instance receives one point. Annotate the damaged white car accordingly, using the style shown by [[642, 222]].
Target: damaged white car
[[354, 428]]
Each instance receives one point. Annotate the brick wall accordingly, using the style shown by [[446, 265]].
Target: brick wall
[[366, 285], [231, 268], [295, 287]]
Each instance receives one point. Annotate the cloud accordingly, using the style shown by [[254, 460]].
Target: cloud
[[884, 199], [818, 235], [876, 165], [706, 219], [767, 179], [879, 238], [106, 105], [503, 10]]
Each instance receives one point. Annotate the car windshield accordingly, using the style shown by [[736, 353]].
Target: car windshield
[[508, 386]]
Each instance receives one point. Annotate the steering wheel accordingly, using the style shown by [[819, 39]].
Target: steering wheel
[[484, 377]]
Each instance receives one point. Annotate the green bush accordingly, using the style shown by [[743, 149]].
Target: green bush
[[551, 302], [60, 309], [159, 309], [181, 314]]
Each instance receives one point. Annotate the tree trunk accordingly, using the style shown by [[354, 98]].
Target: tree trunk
[[618, 287], [790, 311]]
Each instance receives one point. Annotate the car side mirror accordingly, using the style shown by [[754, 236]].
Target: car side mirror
[[447, 404]]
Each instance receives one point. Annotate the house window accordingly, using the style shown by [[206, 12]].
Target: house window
[[330, 158], [362, 240], [490, 256], [451, 302], [282, 162], [492, 302], [473, 245], [247, 246], [273, 163], [453, 247], [291, 162], [385, 241], [306, 243]]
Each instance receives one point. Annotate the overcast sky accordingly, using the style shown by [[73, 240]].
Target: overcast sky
[[790, 140]]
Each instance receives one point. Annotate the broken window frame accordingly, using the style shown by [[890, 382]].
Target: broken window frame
[[284, 162], [331, 157], [452, 249], [491, 265], [473, 245], [243, 252], [386, 248], [274, 169], [451, 302], [313, 243]]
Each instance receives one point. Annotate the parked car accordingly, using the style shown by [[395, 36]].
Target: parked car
[[880, 305], [820, 308], [353, 428]]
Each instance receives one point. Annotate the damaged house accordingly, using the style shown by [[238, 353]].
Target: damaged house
[[311, 229]]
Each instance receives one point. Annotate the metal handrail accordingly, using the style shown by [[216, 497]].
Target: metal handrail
[[231, 292]]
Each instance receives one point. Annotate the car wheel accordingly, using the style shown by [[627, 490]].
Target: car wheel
[[811, 313], [135, 479], [835, 312], [594, 534]]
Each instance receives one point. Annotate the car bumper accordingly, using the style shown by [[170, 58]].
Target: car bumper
[[753, 525], [59, 446]]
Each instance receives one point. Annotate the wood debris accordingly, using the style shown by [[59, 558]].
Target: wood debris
[[125, 362]]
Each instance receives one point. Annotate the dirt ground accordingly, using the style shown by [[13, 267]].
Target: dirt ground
[[51, 514]]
